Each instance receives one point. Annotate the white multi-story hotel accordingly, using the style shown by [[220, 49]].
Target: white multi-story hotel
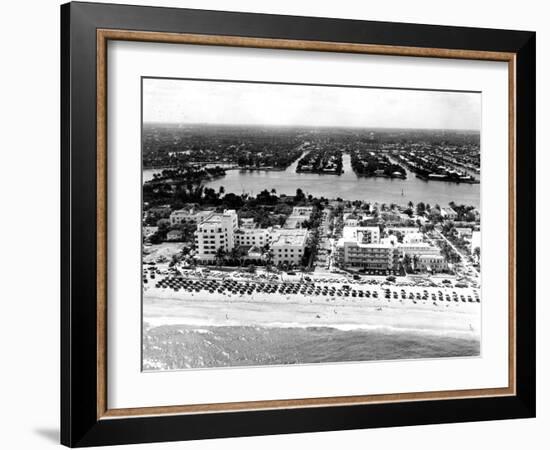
[[365, 235], [351, 254], [217, 231], [360, 247], [253, 236], [288, 246], [222, 231]]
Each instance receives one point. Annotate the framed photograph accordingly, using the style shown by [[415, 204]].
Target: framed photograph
[[276, 224]]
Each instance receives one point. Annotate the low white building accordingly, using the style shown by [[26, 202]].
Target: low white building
[[448, 213], [417, 249], [413, 238], [355, 222], [464, 232], [353, 219], [191, 216], [174, 235], [402, 230], [391, 239], [299, 215], [162, 210], [431, 263], [255, 254]]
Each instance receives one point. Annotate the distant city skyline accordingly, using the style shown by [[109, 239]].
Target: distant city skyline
[[209, 102]]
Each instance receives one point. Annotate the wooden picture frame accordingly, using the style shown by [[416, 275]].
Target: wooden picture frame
[[86, 418]]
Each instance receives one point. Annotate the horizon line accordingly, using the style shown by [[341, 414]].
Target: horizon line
[[353, 127]]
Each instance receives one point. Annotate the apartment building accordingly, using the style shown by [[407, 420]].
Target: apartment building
[[253, 236], [360, 248], [288, 246], [353, 254], [365, 235], [217, 231]]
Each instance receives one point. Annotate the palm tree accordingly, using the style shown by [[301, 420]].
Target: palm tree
[[407, 261], [234, 254], [197, 192], [220, 255], [268, 257]]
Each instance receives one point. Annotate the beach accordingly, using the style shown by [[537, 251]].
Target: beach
[[275, 310], [183, 329]]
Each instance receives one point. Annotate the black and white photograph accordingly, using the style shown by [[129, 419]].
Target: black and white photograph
[[299, 224], [276, 225]]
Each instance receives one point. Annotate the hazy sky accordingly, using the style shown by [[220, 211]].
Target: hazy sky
[[188, 101]]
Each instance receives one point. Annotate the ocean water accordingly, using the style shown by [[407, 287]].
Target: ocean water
[[174, 347]]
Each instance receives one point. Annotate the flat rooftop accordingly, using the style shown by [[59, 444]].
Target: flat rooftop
[[293, 241], [416, 244], [292, 237]]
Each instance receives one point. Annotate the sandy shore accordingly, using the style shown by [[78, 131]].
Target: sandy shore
[[166, 307]]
